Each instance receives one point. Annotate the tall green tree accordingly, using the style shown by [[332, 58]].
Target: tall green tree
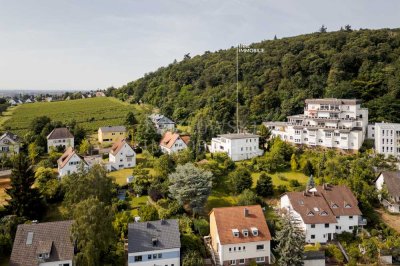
[[190, 186], [290, 243], [84, 184], [239, 180], [264, 187], [92, 231], [25, 200]]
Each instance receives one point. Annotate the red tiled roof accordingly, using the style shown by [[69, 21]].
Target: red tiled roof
[[170, 138], [67, 155], [118, 146], [312, 207], [234, 218], [340, 199]]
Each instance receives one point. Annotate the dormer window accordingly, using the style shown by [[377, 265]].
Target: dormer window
[[346, 205], [254, 231], [301, 202], [334, 206], [245, 232], [323, 213], [310, 213], [235, 232]]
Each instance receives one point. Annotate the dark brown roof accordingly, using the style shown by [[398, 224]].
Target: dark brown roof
[[118, 146], [312, 207], [60, 133], [392, 181], [340, 199], [54, 236], [233, 218], [170, 138]]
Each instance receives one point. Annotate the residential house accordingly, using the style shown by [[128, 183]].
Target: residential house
[[387, 138], [173, 142], [111, 134], [389, 182], [12, 102], [43, 244], [100, 94], [240, 235], [9, 144], [154, 243], [162, 123], [323, 212], [28, 101], [70, 162], [122, 155], [60, 137], [331, 123], [241, 146]]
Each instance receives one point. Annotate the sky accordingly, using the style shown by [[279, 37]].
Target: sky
[[89, 45]]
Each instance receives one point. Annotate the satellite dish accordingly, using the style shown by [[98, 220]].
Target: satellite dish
[[313, 190]]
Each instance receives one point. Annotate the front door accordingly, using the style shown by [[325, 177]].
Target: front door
[[329, 237]]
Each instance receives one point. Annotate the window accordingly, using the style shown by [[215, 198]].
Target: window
[[326, 225], [159, 255], [245, 232], [260, 247], [235, 232], [239, 248], [138, 258], [351, 227], [232, 262], [254, 231], [260, 259], [244, 248], [313, 226], [312, 236], [154, 256], [149, 257], [230, 249], [241, 261], [350, 217]]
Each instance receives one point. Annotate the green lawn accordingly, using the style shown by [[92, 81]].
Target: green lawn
[[90, 113], [121, 175], [137, 202], [289, 175]]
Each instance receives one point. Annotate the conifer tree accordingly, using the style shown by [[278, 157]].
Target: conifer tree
[[310, 182], [291, 241], [25, 201], [293, 163]]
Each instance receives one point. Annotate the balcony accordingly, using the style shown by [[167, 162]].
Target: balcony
[[362, 221]]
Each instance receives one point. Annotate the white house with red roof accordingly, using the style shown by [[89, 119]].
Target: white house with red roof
[[173, 142], [240, 235], [70, 162], [122, 155], [323, 212]]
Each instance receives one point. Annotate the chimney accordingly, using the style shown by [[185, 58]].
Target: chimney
[[154, 241], [163, 221], [246, 212]]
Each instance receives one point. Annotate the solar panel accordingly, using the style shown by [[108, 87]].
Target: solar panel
[[29, 238]]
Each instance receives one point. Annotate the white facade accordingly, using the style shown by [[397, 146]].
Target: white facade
[[125, 157], [237, 146], [72, 166], [387, 139], [249, 250], [320, 232], [165, 257], [65, 143], [392, 205], [331, 123]]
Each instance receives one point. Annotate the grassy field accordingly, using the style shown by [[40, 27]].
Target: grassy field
[[276, 180], [4, 183], [90, 113], [137, 202]]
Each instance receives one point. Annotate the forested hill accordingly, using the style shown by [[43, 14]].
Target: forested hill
[[362, 64]]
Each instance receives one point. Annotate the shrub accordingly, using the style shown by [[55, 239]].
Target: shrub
[[201, 226]]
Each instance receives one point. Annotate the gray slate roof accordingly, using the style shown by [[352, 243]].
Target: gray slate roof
[[60, 133], [239, 136], [52, 236], [392, 181], [160, 119], [140, 235], [11, 136], [113, 128]]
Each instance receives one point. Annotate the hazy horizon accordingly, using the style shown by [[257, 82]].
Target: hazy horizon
[[76, 45]]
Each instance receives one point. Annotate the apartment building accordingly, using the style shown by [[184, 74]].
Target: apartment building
[[331, 123], [387, 138]]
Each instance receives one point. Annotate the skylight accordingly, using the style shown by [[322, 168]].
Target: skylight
[[235, 232], [29, 238]]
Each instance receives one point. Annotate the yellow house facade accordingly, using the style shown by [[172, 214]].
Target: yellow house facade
[[111, 134]]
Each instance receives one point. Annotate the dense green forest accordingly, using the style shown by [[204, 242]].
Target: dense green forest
[[362, 64]]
